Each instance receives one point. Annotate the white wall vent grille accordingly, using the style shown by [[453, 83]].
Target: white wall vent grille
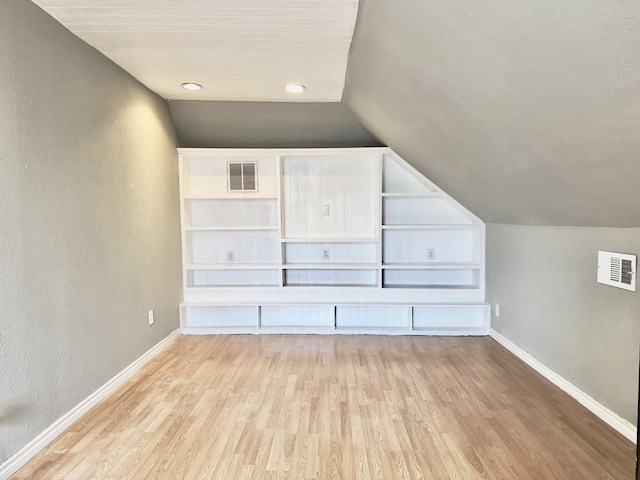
[[242, 177], [617, 270]]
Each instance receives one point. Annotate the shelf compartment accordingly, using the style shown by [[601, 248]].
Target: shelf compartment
[[233, 278], [204, 175], [213, 247], [328, 195], [399, 178], [373, 317], [330, 277], [229, 213], [220, 316], [339, 252], [413, 245], [419, 210], [295, 316], [450, 318], [431, 278]]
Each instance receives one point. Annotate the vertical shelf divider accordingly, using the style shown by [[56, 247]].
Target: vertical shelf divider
[[380, 162], [279, 216], [182, 174]]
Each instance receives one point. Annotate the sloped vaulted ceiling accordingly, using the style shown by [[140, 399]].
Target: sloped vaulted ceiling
[[526, 112]]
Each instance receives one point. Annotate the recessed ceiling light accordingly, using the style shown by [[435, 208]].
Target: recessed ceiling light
[[295, 88], [191, 86]]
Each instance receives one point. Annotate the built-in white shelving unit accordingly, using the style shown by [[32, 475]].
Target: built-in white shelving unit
[[325, 241]]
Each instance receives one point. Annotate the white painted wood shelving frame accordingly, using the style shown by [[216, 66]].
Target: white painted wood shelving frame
[[325, 241]]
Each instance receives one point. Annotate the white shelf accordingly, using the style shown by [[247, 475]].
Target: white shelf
[[272, 303], [234, 228], [442, 226], [294, 329], [411, 195], [431, 266], [431, 286], [243, 196], [330, 266], [233, 266], [453, 330], [377, 329], [332, 285], [329, 240], [209, 288]]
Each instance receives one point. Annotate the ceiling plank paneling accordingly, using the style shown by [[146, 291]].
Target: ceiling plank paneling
[[245, 50]]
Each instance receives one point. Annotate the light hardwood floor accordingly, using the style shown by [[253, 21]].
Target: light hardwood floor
[[336, 407]]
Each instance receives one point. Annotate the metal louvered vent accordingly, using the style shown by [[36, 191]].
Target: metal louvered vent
[[242, 177], [235, 177], [249, 177], [626, 274], [617, 270]]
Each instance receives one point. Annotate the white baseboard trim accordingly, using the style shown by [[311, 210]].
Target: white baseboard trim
[[614, 420], [17, 461]]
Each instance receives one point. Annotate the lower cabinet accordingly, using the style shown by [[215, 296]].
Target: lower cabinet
[[404, 319], [373, 317], [296, 316], [210, 316], [452, 317]]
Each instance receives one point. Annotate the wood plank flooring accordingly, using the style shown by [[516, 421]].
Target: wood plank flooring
[[336, 407]]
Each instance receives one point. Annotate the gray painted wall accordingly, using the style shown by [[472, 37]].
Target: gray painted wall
[[526, 112], [90, 223], [268, 124], [544, 279]]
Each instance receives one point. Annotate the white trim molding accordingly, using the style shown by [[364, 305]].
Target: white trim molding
[[624, 427], [17, 461]]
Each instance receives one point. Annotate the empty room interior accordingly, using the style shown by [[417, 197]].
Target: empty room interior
[[319, 239]]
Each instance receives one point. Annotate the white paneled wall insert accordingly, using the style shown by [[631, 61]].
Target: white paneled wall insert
[[325, 241]]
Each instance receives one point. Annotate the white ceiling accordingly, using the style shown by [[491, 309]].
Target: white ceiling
[[245, 50]]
